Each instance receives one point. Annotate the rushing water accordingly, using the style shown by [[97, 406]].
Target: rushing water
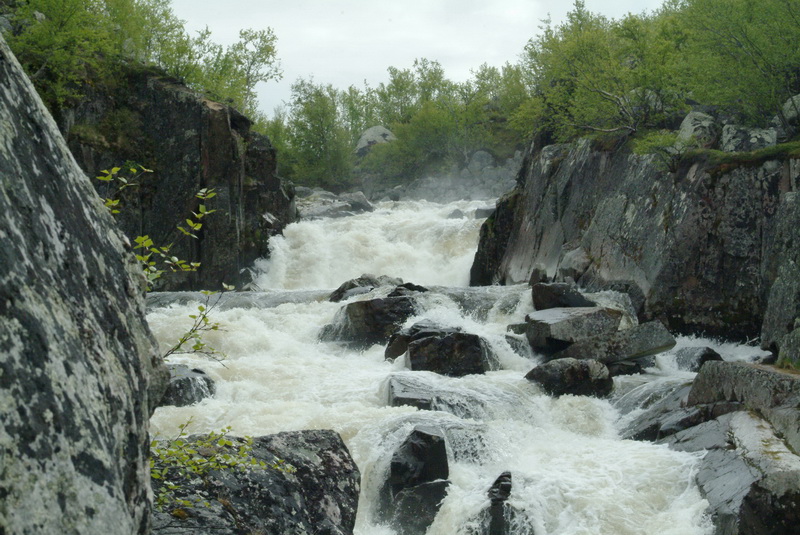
[[572, 474]]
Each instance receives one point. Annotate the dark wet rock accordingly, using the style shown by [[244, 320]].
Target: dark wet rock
[[495, 235], [398, 343], [498, 510], [187, 386], [538, 274], [692, 358], [637, 342], [361, 285], [773, 393], [417, 482], [554, 329], [748, 475], [190, 143], [364, 323], [319, 498], [573, 376], [79, 370], [631, 367], [454, 354], [407, 289], [556, 295], [482, 213]]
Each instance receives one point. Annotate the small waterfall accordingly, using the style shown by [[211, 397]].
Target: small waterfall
[[572, 474]]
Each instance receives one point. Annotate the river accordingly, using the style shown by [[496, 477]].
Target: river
[[572, 474]]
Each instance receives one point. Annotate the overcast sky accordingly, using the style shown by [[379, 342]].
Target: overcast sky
[[347, 42]]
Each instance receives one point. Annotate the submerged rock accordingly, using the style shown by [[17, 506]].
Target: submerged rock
[[573, 376]]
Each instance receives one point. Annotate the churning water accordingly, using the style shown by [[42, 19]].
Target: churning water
[[572, 474]]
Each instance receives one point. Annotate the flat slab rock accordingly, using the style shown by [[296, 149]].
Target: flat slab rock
[[555, 328], [748, 475], [773, 393], [573, 376], [639, 341]]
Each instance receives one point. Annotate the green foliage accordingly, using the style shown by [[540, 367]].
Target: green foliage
[[192, 342], [664, 145], [185, 461], [67, 45]]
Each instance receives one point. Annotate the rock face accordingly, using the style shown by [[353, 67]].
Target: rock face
[[319, 498], [453, 354], [190, 143], [78, 366], [710, 248]]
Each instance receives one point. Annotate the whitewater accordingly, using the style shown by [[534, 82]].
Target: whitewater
[[572, 474]]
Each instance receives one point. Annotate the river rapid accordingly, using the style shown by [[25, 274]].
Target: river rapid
[[572, 474]]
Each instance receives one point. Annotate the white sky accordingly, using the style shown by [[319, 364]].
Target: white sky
[[346, 42]]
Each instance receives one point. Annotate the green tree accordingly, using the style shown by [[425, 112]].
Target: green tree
[[319, 142]]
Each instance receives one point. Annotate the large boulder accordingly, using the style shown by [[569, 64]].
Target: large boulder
[[374, 135], [361, 285], [692, 358], [554, 329], [698, 129], [742, 139], [573, 376], [313, 491], [79, 370], [398, 342], [453, 354], [190, 143]]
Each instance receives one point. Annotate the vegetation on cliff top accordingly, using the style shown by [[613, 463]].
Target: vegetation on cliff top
[[587, 74]]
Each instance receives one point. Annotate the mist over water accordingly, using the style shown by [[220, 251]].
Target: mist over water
[[572, 475]]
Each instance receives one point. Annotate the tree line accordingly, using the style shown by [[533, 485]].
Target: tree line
[[631, 77]]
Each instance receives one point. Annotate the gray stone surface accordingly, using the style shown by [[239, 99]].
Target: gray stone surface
[[790, 350], [698, 129], [573, 376], [79, 368], [637, 342], [775, 394], [319, 498], [373, 136], [554, 328], [748, 475], [742, 139]]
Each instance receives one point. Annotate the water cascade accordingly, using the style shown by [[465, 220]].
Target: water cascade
[[572, 474]]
